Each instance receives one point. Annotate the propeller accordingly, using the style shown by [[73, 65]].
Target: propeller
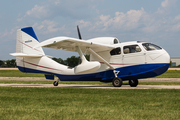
[[79, 34]]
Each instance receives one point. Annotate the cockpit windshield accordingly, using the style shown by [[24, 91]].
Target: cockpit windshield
[[150, 46]]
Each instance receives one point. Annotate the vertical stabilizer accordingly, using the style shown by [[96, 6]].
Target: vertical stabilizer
[[26, 40]]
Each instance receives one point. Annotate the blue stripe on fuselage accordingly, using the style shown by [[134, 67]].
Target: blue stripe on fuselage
[[126, 73]]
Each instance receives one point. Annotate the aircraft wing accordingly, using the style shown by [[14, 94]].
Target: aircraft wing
[[69, 44]]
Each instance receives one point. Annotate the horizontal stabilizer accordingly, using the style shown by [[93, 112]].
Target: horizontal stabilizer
[[25, 55]]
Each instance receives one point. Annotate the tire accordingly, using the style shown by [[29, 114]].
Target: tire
[[55, 83], [117, 82], [133, 83]]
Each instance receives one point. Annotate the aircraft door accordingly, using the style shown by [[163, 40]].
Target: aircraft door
[[133, 55], [116, 57]]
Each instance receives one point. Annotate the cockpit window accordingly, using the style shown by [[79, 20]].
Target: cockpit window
[[131, 49], [116, 51], [116, 41], [150, 46]]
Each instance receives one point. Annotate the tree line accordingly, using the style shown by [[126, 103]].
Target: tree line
[[71, 62], [8, 63]]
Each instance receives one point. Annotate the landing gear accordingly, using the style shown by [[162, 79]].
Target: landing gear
[[133, 83], [56, 82], [117, 82]]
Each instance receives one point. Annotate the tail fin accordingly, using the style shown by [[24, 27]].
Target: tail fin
[[26, 40]]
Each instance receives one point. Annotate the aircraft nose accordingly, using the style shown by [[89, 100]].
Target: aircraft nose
[[160, 57], [165, 58]]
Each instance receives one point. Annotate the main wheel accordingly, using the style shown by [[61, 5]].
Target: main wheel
[[55, 83], [117, 82], [133, 83]]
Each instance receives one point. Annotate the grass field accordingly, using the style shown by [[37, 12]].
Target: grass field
[[88, 104], [17, 73], [170, 74]]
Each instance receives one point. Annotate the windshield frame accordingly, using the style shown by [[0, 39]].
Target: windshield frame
[[151, 46]]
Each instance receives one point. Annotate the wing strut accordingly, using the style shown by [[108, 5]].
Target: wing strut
[[85, 66], [81, 54], [98, 56]]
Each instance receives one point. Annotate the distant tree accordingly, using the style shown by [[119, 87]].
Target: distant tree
[[170, 63], [1, 63], [59, 60], [11, 63], [72, 61], [87, 57], [178, 66]]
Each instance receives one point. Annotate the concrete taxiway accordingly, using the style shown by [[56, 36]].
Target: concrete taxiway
[[94, 86]]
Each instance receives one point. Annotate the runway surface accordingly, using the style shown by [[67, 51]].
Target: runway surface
[[94, 86]]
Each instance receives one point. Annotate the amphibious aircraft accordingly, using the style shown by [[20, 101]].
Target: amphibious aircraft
[[110, 60]]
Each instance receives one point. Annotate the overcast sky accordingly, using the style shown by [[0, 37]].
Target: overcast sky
[[156, 21]]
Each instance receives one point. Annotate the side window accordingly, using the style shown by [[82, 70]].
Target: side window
[[116, 51], [131, 49]]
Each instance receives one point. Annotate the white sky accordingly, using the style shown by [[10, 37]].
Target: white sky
[[156, 21]]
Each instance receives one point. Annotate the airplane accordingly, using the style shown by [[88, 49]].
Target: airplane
[[110, 60]]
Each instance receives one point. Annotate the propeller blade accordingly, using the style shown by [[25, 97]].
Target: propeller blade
[[79, 34]]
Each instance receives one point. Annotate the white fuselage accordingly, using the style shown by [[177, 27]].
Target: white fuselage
[[109, 59], [107, 55], [122, 59], [126, 58]]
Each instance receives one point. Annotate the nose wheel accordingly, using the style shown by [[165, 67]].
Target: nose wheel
[[133, 83]]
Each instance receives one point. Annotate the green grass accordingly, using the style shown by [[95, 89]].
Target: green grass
[[88, 104], [170, 74], [17, 73]]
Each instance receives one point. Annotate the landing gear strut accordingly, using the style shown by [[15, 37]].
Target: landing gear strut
[[56, 82], [133, 83], [117, 82]]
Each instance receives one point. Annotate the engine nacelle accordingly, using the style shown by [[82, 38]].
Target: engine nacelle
[[105, 40], [87, 67]]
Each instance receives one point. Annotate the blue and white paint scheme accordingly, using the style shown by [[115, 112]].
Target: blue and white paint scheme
[[110, 60]]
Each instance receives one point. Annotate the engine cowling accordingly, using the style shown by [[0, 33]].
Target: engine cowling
[[105, 40]]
